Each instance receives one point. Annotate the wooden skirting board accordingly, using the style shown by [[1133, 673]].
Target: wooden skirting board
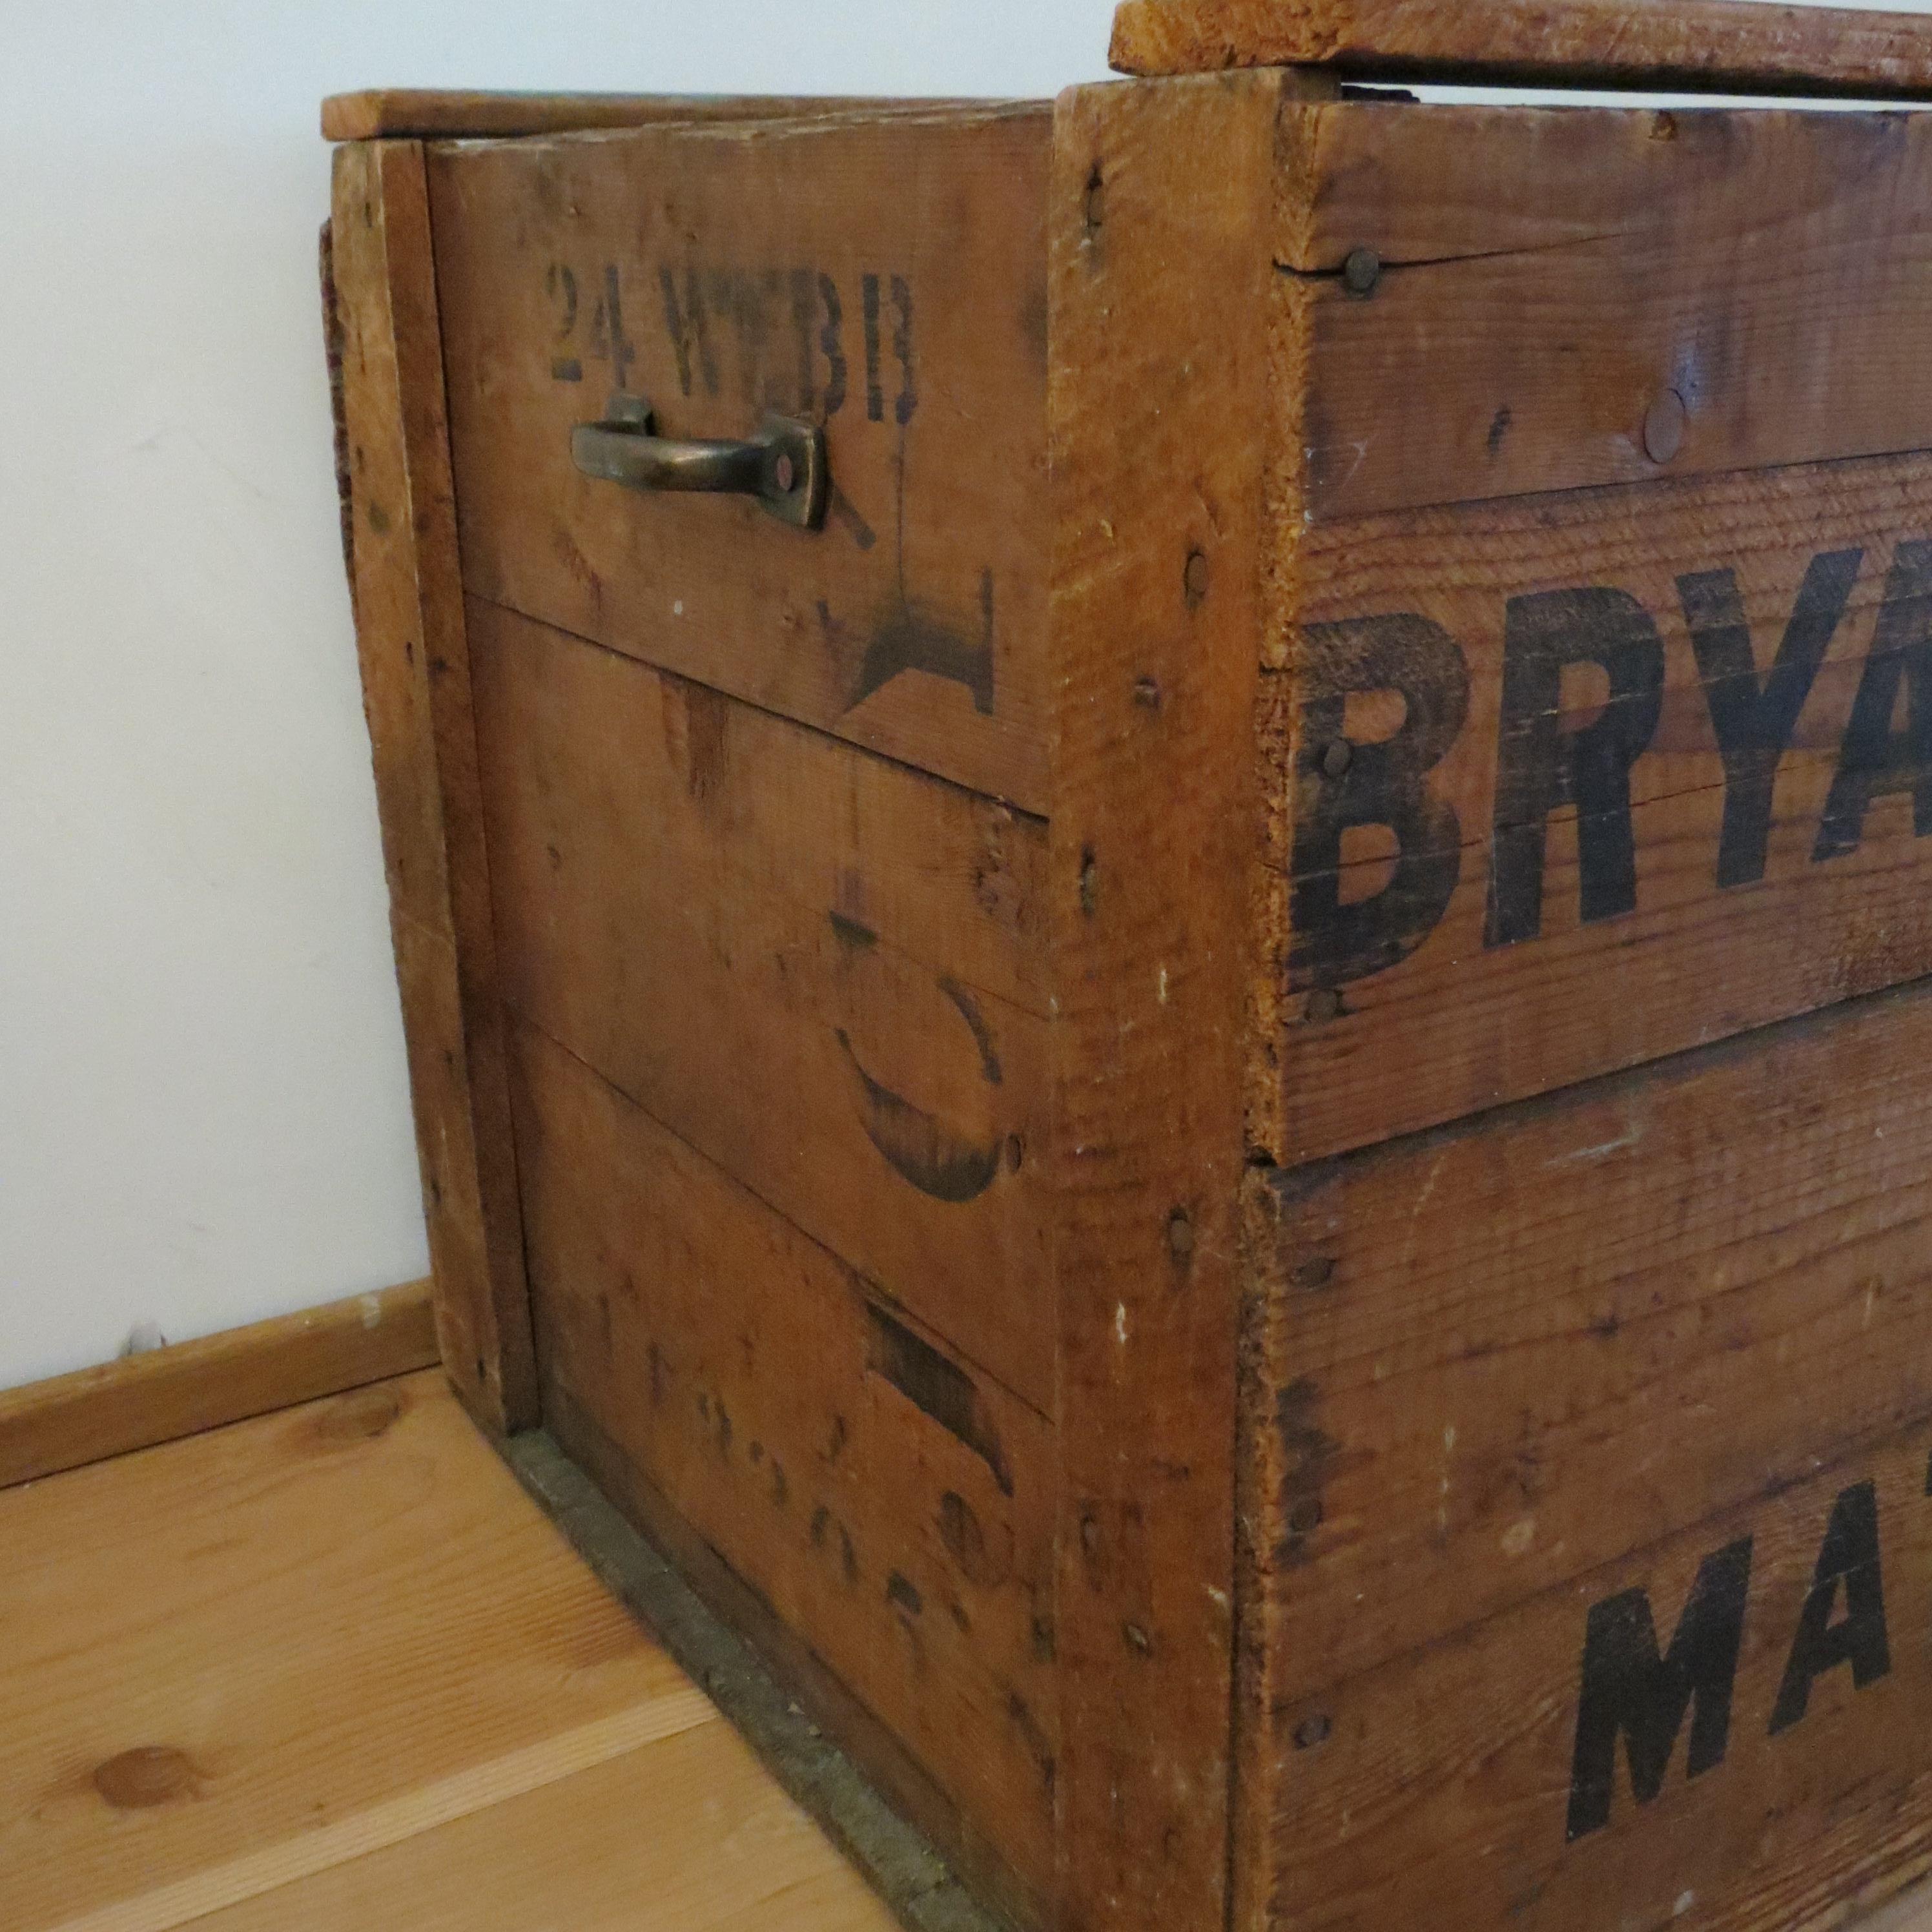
[[143, 1400]]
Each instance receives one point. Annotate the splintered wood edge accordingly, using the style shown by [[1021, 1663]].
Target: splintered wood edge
[[395, 113], [895, 1859], [143, 1401], [1732, 46]]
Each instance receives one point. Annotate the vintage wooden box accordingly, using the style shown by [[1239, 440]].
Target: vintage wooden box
[[1205, 1069]]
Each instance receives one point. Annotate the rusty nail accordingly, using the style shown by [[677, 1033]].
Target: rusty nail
[[1361, 273], [1195, 579], [1313, 1731], [1325, 1004], [1306, 1517]]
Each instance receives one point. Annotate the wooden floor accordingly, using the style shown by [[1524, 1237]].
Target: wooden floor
[[332, 1669]]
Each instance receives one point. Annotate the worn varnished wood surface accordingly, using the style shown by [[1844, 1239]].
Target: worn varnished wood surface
[[1459, 923], [330, 1668], [1551, 278], [822, 970], [892, 1508], [1159, 193], [142, 1400], [1728, 45], [415, 660], [882, 275]]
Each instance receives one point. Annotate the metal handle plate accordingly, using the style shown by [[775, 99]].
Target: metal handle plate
[[783, 465]]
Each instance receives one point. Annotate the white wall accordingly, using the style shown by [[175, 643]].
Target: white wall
[[203, 1118], [203, 1112]]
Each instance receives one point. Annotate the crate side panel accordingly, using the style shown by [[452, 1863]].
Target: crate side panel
[[818, 967], [883, 276], [891, 1510]]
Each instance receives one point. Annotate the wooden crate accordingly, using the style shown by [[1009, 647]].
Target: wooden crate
[[1219, 1108]]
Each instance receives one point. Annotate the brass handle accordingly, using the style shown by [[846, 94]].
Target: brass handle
[[783, 465]]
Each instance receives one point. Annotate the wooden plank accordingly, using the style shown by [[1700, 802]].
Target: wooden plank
[[143, 1400], [1488, 1779], [1491, 1360], [416, 689], [821, 970], [1159, 417], [1736, 47], [392, 113], [1568, 299], [246, 1657], [688, 1834], [892, 1511], [1452, 931], [883, 275]]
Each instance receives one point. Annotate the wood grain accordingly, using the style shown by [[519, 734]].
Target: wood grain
[[243, 1658], [1436, 1790], [392, 113], [415, 683], [1729, 45], [686, 1834], [895, 1513], [820, 969], [1740, 904], [1157, 407], [882, 275], [143, 1400], [1491, 1360], [1549, 278]]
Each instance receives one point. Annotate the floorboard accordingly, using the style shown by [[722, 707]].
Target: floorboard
[[244, 1674]]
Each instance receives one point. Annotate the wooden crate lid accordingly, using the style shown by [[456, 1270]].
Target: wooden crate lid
[[1737, 46]]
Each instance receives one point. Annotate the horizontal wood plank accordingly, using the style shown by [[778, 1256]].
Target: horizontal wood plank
[[1488, 1779], [1461, 922], [820, 969], [894, 1512], [1567, 299], [1491, 1360], [1732, 45], [145, 1399], [389, 113], [306, 1621], [883, 276]]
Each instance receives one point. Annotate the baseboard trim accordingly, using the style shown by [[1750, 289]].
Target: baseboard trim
[[142, 1401]]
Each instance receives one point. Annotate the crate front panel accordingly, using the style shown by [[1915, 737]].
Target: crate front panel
[[883, 275], [1565, 783], [1499, 1376]]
